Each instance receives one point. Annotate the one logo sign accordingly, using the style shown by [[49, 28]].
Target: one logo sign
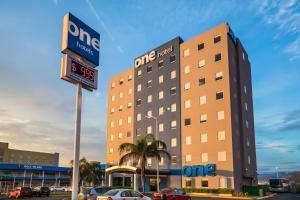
[[80, 39], [199, 170], [152, 55]]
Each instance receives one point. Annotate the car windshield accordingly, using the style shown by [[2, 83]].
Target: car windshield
[[178, 191], [275, 183], [111, 193]]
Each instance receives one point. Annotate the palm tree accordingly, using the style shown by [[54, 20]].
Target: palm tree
[[144, 148], [84, 169]]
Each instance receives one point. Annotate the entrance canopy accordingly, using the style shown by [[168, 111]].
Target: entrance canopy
[[121, 169]]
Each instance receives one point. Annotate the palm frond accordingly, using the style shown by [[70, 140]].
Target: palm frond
[[126, 147], [130, 155]]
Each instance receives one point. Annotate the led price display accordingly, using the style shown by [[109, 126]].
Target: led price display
[[82, 71]]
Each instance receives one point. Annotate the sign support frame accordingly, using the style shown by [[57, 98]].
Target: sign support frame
[[77, 142]]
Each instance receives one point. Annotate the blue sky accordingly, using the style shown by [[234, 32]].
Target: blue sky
[[37, 108]]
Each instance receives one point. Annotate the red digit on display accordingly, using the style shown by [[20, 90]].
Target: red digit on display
[[73, 65], [92, 76], [82, 69]]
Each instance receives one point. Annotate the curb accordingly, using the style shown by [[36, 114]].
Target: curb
[[230, 197], [266, 197]]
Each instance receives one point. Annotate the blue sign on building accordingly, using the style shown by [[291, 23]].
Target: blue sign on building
[[199, 170], [80, 39]]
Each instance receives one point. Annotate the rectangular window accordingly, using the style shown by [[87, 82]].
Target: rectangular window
[[129, 105], [161, 127], [188, 183], [203, 118], [112, 98], [217, 39], [245, 89], [173, 91], [217, 57], [138, 131], [128, 134], [219, 95], [187, 86], [120, 108], [186, 52], [139, 87], [172, 58], [188, 157], [139, 73], [173, 74], [149, 113], [222, 156], [246, 106], [221, 135], [149, 83], [187, 69], [204, 157], [112, 110], [111, 150], [187, 122], [173, 142], [121, 82], [129, 77], [161, 79], [149, 99], [203, 138], [161, 95], [129, 120], [188, 140], [160, 63], [149, 162], [243, 55], [120, 135], [249, 160], [149, 68], [204, 183], [161, 111], [120, 122], [174, 160], [220, 115], [138, 117], [219, 76], [138, 102], [113, 85], [149, 130], [201, 46], [129, 91], [112, 124], [173, 124], [247, 124], [173, 107], [201, 81], [161, 162], [201, 63], [202, 100], [187, 104], [112, 138], [121, 95]]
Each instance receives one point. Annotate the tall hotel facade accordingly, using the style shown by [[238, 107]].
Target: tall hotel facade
[[199, 96]]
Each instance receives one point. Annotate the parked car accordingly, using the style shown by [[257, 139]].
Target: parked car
[[84, 193], [171, 194], [97, 191], [68, 189], [124, 194], [19, 192], [57, 189], [39, 191]]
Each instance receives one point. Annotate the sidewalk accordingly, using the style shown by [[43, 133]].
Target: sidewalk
[[226, 196]]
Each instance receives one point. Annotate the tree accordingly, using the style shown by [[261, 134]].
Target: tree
[[144, 148]]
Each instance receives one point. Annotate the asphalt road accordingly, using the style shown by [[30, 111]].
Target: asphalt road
[[279, 196]]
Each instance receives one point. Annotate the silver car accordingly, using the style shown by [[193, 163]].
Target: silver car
[[97, 191], [123, 194]]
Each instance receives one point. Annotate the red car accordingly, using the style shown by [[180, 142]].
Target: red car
[[19, 192], [171, 194]]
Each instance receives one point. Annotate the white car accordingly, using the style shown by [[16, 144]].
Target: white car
[[123, 194]]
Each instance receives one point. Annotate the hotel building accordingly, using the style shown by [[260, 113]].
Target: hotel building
[[196, 96]]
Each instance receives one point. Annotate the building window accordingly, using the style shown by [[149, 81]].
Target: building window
[[203, 118], [113, 98], [219, 95], [243, 55], [217, 39], [220, 115], [248, 142], [111, 150], [161, 162], [129, 91], [161, 111], [187, 86], [187, 122], [149, 162], [160, 63], [112, 124], [202, 100], [161, 95], [120, 108], [246, 106], [188, 140], [217, 57], [173, 142], [161, 127], [121, 82], [173, 124], [204, 157], [219, 76], [187, 69], [222, 156], [139, 87], [188, 157], [173, 74], [113, 85], [149, 113], [247, 124], [149, 83], [204, 183], [188, 183], [128, 134], [139, 73], [172, 58], [149, 130], [138, 102], [173, 91], [138, 117], [138, 132], [129, 120], [120, 135], [201, 81], [186, 52], [201, 46], [112, 138], [129, 105], [203, 137], [187, 104], [149, 68], [245, 89], [221, 135], [121, 95], [173, 107], [120, 122], [112, 110], [129, 77], [174, 160], [161, 79], [149, 99], [201, 63], [249, 160]]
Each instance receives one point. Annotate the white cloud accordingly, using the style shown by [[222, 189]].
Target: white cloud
[[294, 49]]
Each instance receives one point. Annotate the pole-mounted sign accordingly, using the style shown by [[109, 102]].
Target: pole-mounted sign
[[81, 44]]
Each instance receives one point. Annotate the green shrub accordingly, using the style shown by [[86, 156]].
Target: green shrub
[[208, 190]]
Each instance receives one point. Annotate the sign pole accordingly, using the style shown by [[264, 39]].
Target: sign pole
[[77, 143]]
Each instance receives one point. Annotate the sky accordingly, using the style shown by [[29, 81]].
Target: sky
[[37, 108]]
